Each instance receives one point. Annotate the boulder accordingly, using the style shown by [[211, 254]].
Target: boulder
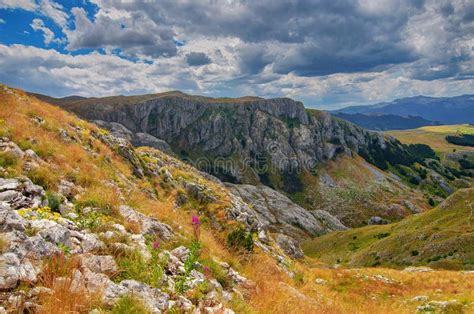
[[376, 220], [9, 271], [10, 220], [148, 225], [269, 207], [289, 246], [99, 263], [154, 299]]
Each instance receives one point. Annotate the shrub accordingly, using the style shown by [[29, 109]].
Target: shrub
[[54, 200], [431, 201], [240, 239], [382, 235], [462, 139], [129, 304], [8, 159]]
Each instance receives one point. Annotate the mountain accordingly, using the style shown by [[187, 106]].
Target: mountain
[[446, 110], [275, 142], [384, 122], [91, 223], [442, 237]]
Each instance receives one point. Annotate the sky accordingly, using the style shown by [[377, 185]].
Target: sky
[[328, 54]]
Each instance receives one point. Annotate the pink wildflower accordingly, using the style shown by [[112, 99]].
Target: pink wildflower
[[196, 227], [195, 220], [156, 245]]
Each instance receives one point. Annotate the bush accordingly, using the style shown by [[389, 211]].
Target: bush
[[54, 200], [240, 239], [463, 139]]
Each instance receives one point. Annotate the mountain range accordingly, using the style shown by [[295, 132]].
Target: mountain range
[[411, 112]]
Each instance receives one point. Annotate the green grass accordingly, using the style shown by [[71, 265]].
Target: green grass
[[129, 304], [441, 238], [133, 266]]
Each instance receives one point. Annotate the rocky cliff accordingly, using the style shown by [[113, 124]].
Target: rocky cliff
[[252, 134]]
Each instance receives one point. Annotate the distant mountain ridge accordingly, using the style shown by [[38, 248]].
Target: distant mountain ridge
[[446, 110], [384, 122]]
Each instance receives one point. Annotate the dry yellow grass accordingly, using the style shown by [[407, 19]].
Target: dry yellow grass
[[57, 275], [346, 291], [434, 136]]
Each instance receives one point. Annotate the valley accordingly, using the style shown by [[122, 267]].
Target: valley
[[121, 218]]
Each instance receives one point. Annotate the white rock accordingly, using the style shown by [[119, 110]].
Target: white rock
[[9, 271], [99, 263], [181, 252]]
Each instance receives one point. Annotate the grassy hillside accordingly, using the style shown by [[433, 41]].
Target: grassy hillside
[[69, 148], [435, 136], [441, 238], [354, 190]]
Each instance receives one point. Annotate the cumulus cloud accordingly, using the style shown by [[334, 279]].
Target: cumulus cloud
[[53, 73], [28, 5], [309, 38], [48, 8], [48, 35], [132, 33], [322, 52], [197, 59]]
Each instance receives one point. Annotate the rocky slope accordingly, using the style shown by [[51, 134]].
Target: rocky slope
[[275, 142], [84, 215], [90, 223]]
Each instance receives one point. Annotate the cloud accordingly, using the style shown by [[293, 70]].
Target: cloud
[[328, 53], [133, 34], [48, 8], [50, 72], [48, 35], [53, 10], [28, 5], [2, 21], [197, 59]]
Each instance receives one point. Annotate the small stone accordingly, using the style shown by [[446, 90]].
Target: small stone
[[181, 252], [320, 281]]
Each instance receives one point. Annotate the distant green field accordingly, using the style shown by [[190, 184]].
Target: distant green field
[[435, 136], [440, 238]]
